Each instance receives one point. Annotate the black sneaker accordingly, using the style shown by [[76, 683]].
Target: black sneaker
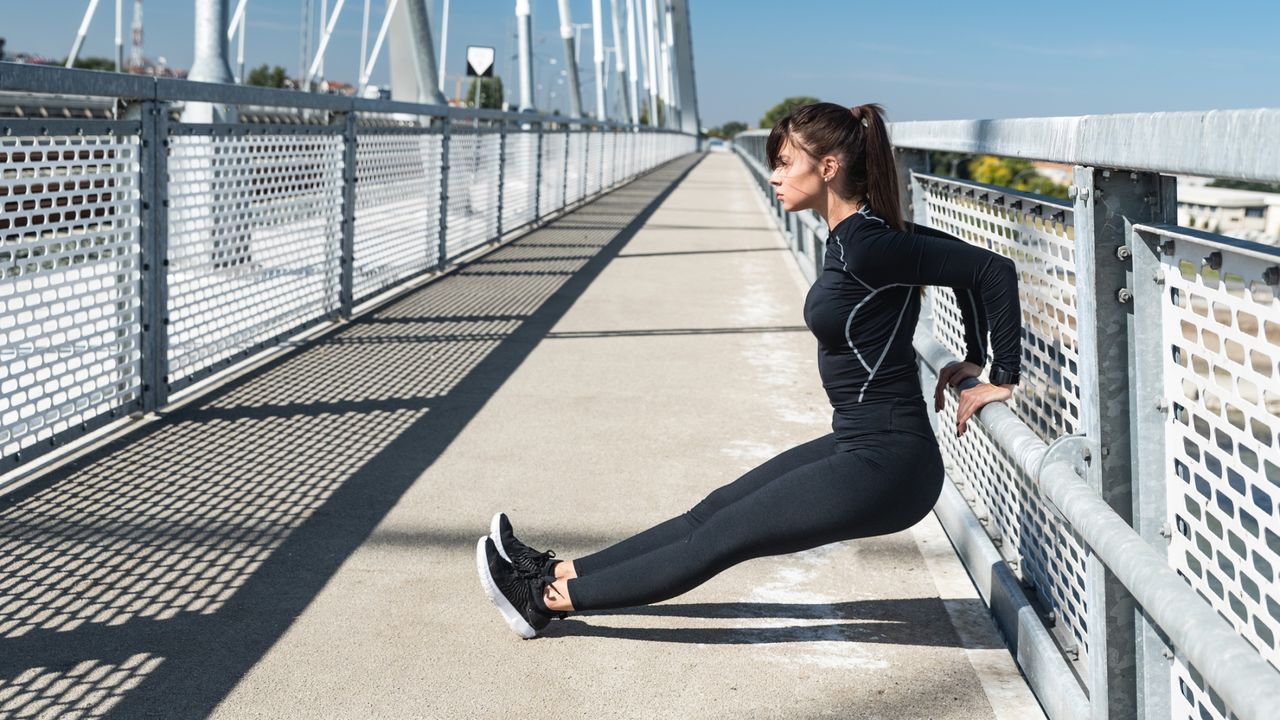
[[526, 559], [517, 595]]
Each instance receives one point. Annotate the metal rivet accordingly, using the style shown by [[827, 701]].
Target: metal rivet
[[1124, 295], [1123, 252], [1214, 260]]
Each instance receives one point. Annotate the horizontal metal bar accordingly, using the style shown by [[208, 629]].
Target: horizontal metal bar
[[1229, 664], [67, 126], [1037, 653], [1235, 144], [245, 129], [1211, 241], [1218, 143], [174, 89], [52, 80]]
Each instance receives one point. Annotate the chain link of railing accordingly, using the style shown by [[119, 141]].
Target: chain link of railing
[[1130, 492], [144, 254]]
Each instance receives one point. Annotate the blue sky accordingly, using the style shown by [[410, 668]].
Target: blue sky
[[922, 60]]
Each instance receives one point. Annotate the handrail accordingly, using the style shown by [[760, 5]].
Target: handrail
[[1244, 680], [50, 80], [1215, 143]]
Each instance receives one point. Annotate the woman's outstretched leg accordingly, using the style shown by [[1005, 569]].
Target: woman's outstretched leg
[[845, 495], [677, 529]]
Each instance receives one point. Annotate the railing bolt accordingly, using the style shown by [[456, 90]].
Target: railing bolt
[[1158, 278], [1271, 275], [1214, 260], [1123, 252], [1167, 246], [1162, 404], [1072, 191], [1167, 653], [1124, 295], [1086, 454], [1165, 532]]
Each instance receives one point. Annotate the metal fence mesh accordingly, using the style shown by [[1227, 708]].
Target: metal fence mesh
[[254, 233], [1221, 328], [554, 146], [397, 218], [473, 189], [519, 179], [1039, 236], [70, 295]]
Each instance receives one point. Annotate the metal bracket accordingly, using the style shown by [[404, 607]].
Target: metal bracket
[[1077, 450]]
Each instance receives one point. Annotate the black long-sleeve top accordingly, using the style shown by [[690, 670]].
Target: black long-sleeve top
[[865, 304]]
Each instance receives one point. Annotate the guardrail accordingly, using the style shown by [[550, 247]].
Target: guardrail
[[144, 254], [1131, 489]]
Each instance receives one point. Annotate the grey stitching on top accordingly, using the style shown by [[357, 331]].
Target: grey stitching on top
[[887, 345], [845, 263], [848, 325]]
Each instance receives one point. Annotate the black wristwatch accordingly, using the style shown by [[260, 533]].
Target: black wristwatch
[[1000, 376]]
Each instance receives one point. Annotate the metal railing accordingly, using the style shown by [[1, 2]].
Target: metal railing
[[1131, 488], [143, 254]]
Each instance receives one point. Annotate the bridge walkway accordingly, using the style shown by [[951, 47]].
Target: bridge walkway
[[298, 542]]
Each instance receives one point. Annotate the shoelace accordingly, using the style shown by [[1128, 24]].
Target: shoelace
[[544, 580]]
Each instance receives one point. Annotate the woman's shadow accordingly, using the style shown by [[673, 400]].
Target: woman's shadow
[[912, 621]]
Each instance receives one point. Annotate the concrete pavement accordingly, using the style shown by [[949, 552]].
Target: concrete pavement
[[299, 543]]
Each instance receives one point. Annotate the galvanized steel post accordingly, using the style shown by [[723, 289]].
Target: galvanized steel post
[[502, 170], [346, 251], [442, 246], [1148, 416], [1106, 202], [537, 184], [154, 222]]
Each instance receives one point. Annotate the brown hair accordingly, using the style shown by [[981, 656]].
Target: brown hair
[[859, 137]]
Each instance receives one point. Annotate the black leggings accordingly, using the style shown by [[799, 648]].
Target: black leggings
[[878, 480]]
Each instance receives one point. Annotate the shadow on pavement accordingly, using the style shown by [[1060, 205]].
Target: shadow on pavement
[[147, 578]]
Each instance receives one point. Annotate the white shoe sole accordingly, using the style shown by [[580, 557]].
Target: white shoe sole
[[509, 613], [497, 537]]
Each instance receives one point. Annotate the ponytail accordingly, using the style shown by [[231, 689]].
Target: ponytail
[[879, 171], [858, 136]]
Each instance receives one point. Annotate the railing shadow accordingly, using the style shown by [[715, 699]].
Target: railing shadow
[[909, 621], [148, 577]]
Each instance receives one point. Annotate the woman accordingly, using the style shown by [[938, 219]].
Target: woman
[[880, 470]]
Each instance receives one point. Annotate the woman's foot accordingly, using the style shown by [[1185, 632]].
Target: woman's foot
[[524, 558], [518, 596]]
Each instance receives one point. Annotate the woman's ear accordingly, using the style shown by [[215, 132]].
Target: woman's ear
[[829, 166]]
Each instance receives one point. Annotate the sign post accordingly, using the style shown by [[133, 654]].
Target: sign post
[[479, 66]]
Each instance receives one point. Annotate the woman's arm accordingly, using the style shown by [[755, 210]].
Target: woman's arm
[[936, 258], [973, 314]]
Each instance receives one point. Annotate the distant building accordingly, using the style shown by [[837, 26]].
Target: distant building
[[1244, 214]]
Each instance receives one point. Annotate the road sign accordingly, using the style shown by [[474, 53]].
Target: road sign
[[479, 61]]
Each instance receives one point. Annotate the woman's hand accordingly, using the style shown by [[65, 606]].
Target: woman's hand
[[951, 376], [971, 400]]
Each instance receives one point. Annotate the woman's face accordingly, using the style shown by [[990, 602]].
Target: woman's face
[[797, 179]]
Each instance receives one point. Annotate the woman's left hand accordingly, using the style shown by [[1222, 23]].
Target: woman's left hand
[[973, 399]]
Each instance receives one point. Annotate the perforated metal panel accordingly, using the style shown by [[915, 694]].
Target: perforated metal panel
[[254, 233], [554, 146], [612, 159], [1038, 235], [1221, 327], [70, 304], [595, 162], [473, 189], [397, 224], [519, 178]]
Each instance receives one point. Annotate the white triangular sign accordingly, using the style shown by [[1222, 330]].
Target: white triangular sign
[[479, 60]]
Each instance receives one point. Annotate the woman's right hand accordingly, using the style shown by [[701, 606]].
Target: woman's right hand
[[952, 375]]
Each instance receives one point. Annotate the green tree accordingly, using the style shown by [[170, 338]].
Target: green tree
[[785, 108], [950, 163], [490, 90], [93, 63], [1013, 173], [644, 113], [262, 76], [727, 130]]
